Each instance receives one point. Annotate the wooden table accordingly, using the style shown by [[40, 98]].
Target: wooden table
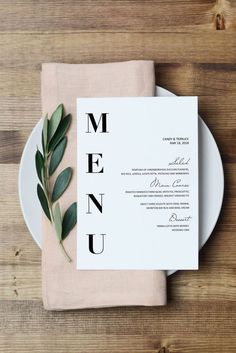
[[194, 46]]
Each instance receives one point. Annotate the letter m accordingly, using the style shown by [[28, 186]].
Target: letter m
[[92, 122]]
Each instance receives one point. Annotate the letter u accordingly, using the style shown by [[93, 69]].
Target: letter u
[[91, 245]]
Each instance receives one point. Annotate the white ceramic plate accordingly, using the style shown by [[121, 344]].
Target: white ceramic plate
[[211, 182]]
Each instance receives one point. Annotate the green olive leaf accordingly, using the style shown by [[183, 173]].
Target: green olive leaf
[[61, 183], [60, 133], [39, 163], [69, 220], [57, 220], [43, 147], [57, 155], [43, 201], [45, 133], [54, 122]]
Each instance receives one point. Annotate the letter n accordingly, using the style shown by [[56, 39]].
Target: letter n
[[98, 204]]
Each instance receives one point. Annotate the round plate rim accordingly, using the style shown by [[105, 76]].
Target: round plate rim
[[21, 171]]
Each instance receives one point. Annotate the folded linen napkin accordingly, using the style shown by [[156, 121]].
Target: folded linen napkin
[[63, 286]]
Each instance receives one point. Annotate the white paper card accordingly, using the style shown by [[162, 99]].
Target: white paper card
[[137, 181]]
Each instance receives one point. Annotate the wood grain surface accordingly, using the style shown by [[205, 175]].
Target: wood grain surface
[[193, 43]]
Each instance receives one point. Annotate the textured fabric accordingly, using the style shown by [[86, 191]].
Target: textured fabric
[[65, 287]]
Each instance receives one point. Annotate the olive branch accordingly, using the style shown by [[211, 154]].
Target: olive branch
[[54, 141]]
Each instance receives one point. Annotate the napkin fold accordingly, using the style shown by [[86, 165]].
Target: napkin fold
[[63, 286]]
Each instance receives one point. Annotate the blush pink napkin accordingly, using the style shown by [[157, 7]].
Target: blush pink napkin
[[63, 286]]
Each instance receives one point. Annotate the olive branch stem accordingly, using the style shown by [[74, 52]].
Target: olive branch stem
[[54, 142], [47, 194]]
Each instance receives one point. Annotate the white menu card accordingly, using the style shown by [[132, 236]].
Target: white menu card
[[137, 182]]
